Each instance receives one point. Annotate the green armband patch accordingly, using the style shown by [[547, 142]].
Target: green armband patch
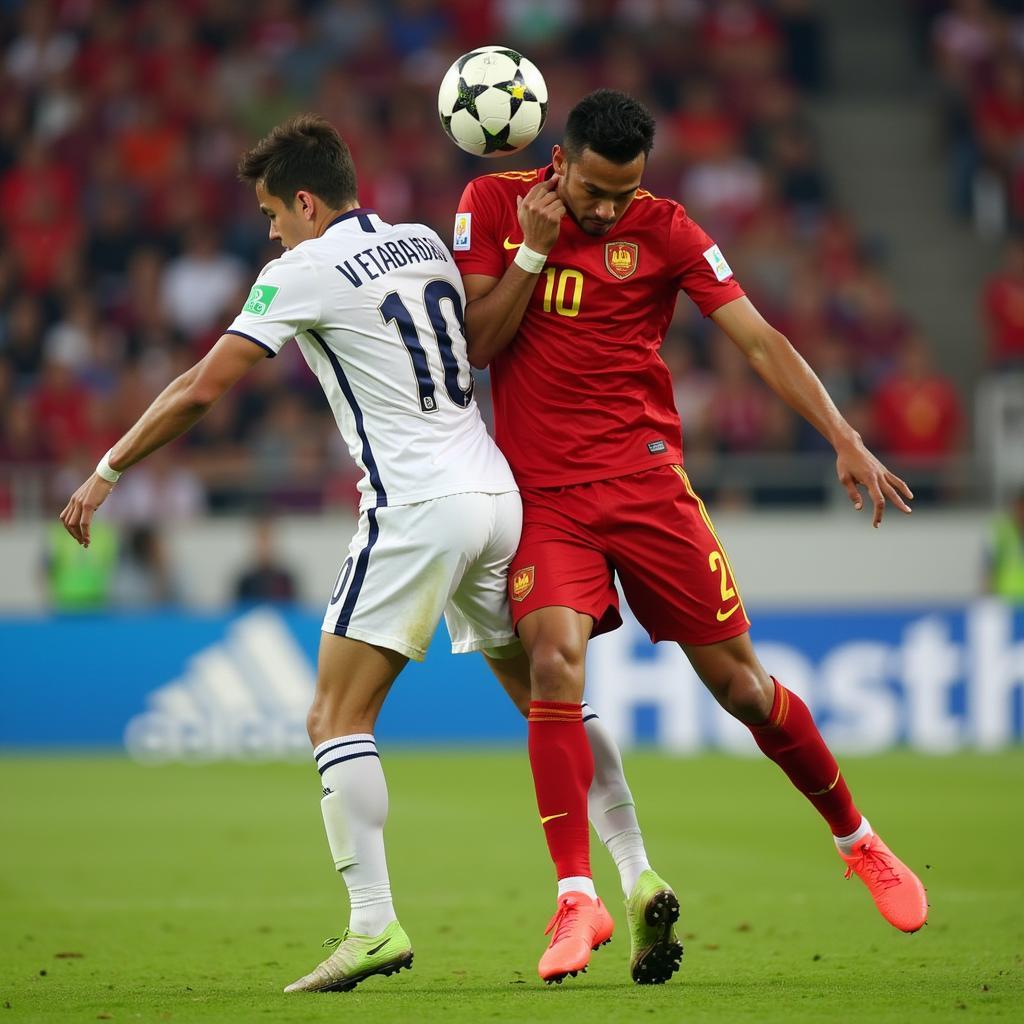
[[260, 299]]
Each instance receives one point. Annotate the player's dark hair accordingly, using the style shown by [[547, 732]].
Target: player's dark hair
[[303, 153], [611, 124]]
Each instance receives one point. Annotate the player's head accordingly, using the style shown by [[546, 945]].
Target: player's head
[[304, 176], [607, 140]]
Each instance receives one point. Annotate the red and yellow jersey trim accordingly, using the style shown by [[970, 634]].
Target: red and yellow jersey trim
[[642, 193], [514, 175], [681, 473]]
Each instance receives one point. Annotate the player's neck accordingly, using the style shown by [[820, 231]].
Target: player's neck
[[328, 217]]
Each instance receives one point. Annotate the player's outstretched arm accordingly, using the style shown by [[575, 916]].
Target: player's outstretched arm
[[789, 376], [495, 306], [175, 409]]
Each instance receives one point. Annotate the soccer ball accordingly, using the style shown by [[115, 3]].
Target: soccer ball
[[492, 101]]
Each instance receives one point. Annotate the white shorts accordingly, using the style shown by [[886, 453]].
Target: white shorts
[[410, 564]]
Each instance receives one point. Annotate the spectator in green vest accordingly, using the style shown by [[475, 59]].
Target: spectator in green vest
[[76, 579], [1006, 554]]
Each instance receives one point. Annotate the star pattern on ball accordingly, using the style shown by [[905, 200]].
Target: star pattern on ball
[[497, 142], [489, 101], [518, 92], [467, 97]]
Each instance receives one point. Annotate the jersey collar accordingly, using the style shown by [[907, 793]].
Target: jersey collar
[[360, 212]]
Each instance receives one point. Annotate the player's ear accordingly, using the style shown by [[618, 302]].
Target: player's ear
[[307, 206], [558, 159]]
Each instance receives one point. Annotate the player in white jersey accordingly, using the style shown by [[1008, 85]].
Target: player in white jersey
[[376, 309]]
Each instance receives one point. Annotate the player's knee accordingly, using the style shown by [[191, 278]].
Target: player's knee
[[556, 672], [746, 693]]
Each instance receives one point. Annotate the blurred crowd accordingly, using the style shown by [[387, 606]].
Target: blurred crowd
[[976, 49], [128, 244]]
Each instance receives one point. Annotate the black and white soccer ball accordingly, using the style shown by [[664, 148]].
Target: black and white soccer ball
[[492, 101]]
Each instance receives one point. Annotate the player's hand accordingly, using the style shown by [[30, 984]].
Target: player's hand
[[540, 215], [857, 467], [78, 513]]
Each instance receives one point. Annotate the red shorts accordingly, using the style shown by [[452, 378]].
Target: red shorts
[[648, 528]]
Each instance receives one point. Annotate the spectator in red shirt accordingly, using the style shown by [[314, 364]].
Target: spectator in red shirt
[[1003, 306], [39, 199], [875, 328], [703, 130], [739, 407], [999, 126], [151, 147], [37, 182], [999, 113], [61, 407], [917, 412], [741, 39]]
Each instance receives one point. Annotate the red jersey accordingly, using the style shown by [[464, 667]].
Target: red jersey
[[1004, 307], [581, 393]]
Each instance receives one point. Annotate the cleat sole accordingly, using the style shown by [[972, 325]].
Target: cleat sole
[[557, 979], [662, 908], [403, 964], [658, 962]]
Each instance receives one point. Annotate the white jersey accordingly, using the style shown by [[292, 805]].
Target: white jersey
[[377, 310]]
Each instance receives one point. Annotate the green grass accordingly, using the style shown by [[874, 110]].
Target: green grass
[[195, 893]]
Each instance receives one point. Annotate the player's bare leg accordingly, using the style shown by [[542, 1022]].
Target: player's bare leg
[[783, 728], [353, 679]]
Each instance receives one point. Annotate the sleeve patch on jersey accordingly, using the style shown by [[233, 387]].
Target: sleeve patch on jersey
[[463, 229], [717, 263], [260, 299]]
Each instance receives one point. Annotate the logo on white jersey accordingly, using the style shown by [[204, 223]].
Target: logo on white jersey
[[463, 229], [717, 263], [260, 299]]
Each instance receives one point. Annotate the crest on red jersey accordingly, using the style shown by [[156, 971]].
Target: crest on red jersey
[[522, 583], [621, 259]]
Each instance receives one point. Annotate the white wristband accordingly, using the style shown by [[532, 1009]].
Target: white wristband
[[105, 471], [529, 260]]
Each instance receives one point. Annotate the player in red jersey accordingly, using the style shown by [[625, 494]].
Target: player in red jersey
[[572, 273]]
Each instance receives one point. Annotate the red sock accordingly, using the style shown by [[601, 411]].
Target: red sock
[[563, 768], [791, 739]]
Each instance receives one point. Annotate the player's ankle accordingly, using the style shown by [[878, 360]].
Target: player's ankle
[[845, 844], [577, 883]]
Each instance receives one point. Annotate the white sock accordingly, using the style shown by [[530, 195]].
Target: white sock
[[610, 805], [846, 843], [372, 909], [355, 808], [627, 850], [577, 883]]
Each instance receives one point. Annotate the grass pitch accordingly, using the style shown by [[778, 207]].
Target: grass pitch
[[195, 893]]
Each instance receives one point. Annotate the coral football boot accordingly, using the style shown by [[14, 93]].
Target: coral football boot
[[579, 926], [896, 890]]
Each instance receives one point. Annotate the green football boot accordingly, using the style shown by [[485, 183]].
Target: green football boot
[[651, 910], [357, 958]]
